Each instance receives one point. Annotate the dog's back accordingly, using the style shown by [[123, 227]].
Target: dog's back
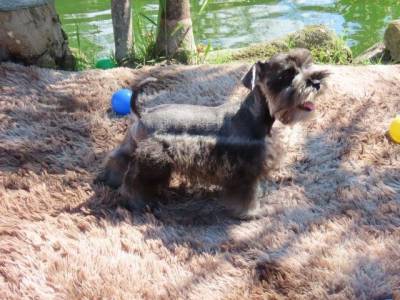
[[186, 118]]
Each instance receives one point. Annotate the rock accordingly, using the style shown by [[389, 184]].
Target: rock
[[392, 39], [46, 61], [259, 51], [376, 54], [312, 36], [324, 44], [31, 33]]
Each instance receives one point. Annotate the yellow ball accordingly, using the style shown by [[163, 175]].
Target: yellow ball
[[394, 130]]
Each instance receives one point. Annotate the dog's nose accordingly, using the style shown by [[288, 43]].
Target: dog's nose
[[316, 84]]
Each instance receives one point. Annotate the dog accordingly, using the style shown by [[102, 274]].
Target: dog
[[228, 145], [234, 164]]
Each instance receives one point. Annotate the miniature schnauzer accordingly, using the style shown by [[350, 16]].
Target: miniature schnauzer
[[229, 145]]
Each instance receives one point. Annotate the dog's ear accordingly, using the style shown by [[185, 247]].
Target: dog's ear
[[320, 74], [256, 72], [300, 56]]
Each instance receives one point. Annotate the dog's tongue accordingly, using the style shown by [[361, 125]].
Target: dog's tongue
[[308, 106]]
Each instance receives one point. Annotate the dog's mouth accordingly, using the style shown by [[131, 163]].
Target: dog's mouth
[[307, 106], [289, 116]]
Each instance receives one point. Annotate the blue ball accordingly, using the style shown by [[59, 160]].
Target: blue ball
[[121, 102]]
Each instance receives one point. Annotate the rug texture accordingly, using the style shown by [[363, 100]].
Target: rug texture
[[333, 225]]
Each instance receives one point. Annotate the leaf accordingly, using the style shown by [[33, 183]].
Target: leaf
[[148, 19], [203, 6], [177, 28]]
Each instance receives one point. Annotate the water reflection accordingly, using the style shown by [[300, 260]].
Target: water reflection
[[229, 24], [366, 20]]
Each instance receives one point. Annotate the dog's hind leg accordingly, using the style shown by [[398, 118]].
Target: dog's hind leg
[[148, 175]]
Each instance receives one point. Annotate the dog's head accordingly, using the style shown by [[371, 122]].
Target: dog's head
[[290, 82]]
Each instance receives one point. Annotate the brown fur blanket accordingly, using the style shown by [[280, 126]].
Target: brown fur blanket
[[333, 228]]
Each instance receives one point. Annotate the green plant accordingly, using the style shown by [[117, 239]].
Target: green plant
[[332, 55], [203, 6], [81, 60], [143, 51], [201, 55], [84, 59]]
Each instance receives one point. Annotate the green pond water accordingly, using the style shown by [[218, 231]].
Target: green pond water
[[232, 24]]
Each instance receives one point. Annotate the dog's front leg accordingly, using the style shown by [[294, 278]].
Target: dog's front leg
[[117, 162], [240, 199]]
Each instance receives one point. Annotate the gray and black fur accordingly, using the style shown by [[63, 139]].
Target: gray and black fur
[[229, 145], [232, 163]]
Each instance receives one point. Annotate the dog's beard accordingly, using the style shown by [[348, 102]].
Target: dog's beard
[[302, 109]]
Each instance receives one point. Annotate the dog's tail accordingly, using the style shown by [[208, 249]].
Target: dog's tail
[[135, 94]]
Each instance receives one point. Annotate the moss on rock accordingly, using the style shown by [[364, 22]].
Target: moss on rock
[[392, 39], [324, 44]]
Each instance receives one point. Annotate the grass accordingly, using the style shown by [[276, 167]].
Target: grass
[[81, 60], [202, 53], [145, 34], [85, 59], [335, 54]]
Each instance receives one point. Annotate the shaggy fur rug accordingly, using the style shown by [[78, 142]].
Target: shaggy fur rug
[[333, 224]]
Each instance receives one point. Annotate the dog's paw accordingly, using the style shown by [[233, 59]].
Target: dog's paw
[[253, 214]]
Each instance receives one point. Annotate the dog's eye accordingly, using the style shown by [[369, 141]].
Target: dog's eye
[[282, 80], [287, 75]]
